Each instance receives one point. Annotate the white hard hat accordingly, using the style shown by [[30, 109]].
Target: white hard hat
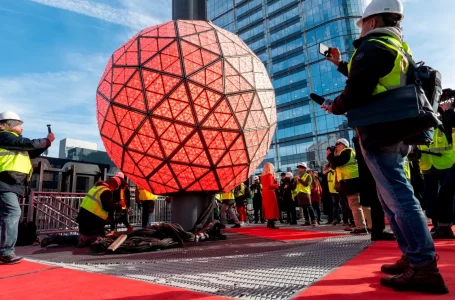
[[344, 142], [302, 164], [289, 175], [382, 7], [120, 175], [9, 115], [255, 178]]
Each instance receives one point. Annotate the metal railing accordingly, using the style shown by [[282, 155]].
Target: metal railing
[[55, 212]]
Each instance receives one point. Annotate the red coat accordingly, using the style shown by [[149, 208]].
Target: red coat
[[269, 202]]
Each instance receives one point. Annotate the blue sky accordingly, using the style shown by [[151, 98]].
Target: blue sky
[[54, 52]]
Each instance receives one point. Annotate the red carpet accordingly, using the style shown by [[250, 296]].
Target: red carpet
[[57, 283], [359, 278], [282, 234]]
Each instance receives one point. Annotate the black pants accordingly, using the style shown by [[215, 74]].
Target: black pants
[[346, 211], [147, 208], [328, 207], [290, 212], [257, 214], [317, 210], [439, 204], [309, 214]]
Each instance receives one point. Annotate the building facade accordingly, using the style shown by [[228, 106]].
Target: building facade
[[285, 35], [67, 144]]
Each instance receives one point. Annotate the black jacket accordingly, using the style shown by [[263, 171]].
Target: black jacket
[[371, 62], [88, 221], [350, 186], [14, 181]]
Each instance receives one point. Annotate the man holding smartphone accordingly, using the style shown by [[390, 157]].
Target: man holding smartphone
[[376, 66], [15, 169]]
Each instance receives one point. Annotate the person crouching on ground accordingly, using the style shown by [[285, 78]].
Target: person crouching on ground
[[15, 168], [94, 211], [269, 201], [121, 194]]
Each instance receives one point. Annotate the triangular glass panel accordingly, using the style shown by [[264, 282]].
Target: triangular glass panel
[[208, 182], [181, 156]]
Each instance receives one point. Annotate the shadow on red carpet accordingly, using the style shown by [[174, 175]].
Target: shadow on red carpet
[[359, 278], [282, 234], [29, 280]]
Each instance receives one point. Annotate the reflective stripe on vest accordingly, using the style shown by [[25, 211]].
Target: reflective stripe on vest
[[92, 202], [440, 145], [145, 195], [349, 170], [122, 197], [397, 77], [16, 161], [301, 188], [331, 182]]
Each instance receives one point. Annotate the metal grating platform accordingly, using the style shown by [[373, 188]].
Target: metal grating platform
[[241, 267]]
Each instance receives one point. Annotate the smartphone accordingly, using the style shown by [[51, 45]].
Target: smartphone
[[316, 98], [324, 50]]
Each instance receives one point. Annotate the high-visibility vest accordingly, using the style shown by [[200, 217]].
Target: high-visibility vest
[[331, 182], [252, 190], [397, 77], [349, 170], [407, 168], [92, 201], [440, 145], [145, 195], [226, 196], [301, 188], [13, 160], [240, 192]]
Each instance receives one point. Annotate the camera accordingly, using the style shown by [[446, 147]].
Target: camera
[[331, 149]]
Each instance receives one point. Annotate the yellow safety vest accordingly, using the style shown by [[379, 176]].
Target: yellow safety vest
[[397, 77], [226, 196], [440, 145], [145, 195], [240, 191], [331, 182], [407, 168], [13, 160], [92, 201], [349, 170], [301, 188], [252, 191]]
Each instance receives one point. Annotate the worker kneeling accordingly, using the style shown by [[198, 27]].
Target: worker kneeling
[[93, 215]]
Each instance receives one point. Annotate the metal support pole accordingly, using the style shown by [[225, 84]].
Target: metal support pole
[[189, 10], [188, 207]]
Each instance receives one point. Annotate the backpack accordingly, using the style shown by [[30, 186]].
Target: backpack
[[431, 83], [27, 234]]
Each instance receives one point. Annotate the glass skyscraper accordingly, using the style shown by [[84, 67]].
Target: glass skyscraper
[[285, 35]]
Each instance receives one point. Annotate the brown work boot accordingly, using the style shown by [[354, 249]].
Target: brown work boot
[[426, 279], [397, 268]]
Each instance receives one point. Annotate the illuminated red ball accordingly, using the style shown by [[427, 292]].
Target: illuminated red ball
[[186, 106]]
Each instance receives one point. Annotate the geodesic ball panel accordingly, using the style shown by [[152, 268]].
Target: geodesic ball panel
[[186, 106]]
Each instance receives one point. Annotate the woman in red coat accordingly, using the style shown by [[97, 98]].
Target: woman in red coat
[[269, 201]]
